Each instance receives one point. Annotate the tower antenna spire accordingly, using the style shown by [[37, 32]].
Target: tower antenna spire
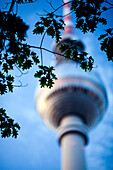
[[68, 29]]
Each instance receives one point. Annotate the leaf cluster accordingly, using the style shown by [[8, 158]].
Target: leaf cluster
[[46, 76], [12, 54], [23, 59], [6, 83], [12, 51], [12, 31], [73, 51], [88, 14], [107, 43], [50, 25], [7, 126]]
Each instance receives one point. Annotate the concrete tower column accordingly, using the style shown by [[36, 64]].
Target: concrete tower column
[[74, 105], [72, 135]]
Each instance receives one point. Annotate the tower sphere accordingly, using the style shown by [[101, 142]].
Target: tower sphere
[[76, 92]]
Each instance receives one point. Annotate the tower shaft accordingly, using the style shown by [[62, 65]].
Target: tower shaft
[[72, 141], [73, 157]]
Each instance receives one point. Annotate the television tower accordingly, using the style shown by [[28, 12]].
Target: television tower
[[74, 105]]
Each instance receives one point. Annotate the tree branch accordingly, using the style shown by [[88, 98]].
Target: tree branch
[[109, 3], [45, 49], [61, 6], [31, 46], [11, 7]]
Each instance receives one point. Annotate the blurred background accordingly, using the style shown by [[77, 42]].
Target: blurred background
[[37, 146]]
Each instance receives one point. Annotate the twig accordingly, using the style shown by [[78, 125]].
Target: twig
[[41, 46], [45, 11], [50, 4], [16, 7], [56, 15], [61, 6], [21, 85], [65, 15], [21, 73], [58, 7], [6, 5], [95, 66], [41, 14], [56, 10]]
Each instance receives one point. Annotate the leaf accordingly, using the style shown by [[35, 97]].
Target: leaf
[[10, 86], [46, 76], [109, 31], [51, 31], [84, 66], [38, 74], [38, 30], [68, 53], [5, 67], [102, 36], [104, 8], [27, 64], [62, 21], [3, 88], [36, 59], [43, 81], [10, 78]]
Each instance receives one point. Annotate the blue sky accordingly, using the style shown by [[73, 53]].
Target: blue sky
[[37, 146]]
